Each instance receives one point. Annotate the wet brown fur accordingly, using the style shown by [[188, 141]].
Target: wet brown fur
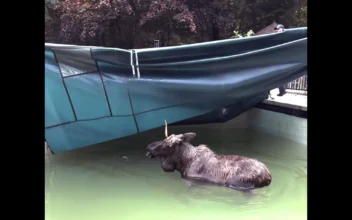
[[202, 164]]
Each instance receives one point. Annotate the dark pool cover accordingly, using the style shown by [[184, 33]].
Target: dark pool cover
[[95, 94]]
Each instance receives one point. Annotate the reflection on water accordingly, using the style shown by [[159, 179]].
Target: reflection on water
[[115, 180]]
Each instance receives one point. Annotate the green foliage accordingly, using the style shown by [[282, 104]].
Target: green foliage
[[250, 33], [238, 35], [301, 14], [133, 23]]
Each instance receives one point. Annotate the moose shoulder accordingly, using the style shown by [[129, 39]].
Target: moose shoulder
[[203, 164]]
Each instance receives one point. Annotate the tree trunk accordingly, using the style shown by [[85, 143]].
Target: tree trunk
[[215, 31], [136, 34]]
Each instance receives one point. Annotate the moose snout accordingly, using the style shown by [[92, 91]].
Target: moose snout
[[154, 145], [151, 149]]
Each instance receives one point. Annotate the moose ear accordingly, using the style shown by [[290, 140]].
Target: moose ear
[[187, 137]]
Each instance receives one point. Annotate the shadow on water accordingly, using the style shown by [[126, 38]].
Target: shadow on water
[[114, 179]]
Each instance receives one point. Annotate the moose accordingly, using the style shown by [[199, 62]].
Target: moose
[[201, 164]]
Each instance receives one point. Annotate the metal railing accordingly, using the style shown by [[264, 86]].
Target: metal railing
[[298, 84]]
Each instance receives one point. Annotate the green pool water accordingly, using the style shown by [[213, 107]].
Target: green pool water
[[115, 181]]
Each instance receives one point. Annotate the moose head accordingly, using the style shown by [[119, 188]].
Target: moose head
[[166, 147]]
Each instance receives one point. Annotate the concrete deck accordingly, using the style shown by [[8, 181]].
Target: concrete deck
[[289, 100]]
